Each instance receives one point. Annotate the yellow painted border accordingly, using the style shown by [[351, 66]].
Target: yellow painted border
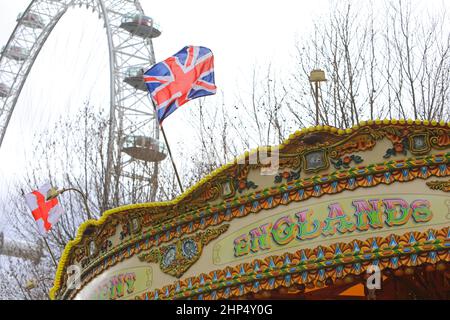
[[294, 136]]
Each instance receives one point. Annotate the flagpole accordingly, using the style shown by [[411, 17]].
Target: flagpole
[[167, 145], [171, 158], [51, 253]]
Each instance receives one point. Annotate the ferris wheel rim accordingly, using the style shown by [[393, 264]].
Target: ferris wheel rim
[[22, 83], [15, 90], [118, 90]]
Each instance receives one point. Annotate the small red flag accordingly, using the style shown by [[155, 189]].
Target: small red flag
[[46, 213]]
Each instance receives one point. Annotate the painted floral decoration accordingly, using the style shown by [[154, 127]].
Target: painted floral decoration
[[398, 148], [345, 162], [106, 246], [243, 184], [287, 175], [126, 231]]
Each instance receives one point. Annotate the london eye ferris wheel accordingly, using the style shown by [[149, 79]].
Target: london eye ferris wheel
[[133, 136]]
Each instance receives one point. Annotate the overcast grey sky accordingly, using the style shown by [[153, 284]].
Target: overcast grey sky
[[73, 65], [241, 34]]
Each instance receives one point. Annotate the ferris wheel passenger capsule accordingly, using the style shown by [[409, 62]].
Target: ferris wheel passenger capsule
[[140, 25], [4, 91], [144, 148], [135, 78], [16, 53], [31, 20]]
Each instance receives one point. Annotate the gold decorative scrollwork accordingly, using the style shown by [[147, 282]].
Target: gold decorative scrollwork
[[439, 185], [440, 139], [290, 161], [152, 256], [176, 258]]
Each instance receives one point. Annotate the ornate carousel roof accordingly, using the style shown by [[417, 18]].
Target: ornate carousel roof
[[213, 224]]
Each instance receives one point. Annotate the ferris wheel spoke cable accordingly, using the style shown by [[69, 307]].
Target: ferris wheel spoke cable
[[129, 36]]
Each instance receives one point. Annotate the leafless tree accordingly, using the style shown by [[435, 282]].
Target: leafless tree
[[388, 62]]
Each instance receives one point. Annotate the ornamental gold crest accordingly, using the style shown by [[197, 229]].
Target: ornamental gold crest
[[176, 258]]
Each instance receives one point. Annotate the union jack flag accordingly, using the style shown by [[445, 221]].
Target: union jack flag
[[186, 75]]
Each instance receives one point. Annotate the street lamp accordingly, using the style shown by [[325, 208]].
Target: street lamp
[[54, 192], [32, 283], [316, 76]]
